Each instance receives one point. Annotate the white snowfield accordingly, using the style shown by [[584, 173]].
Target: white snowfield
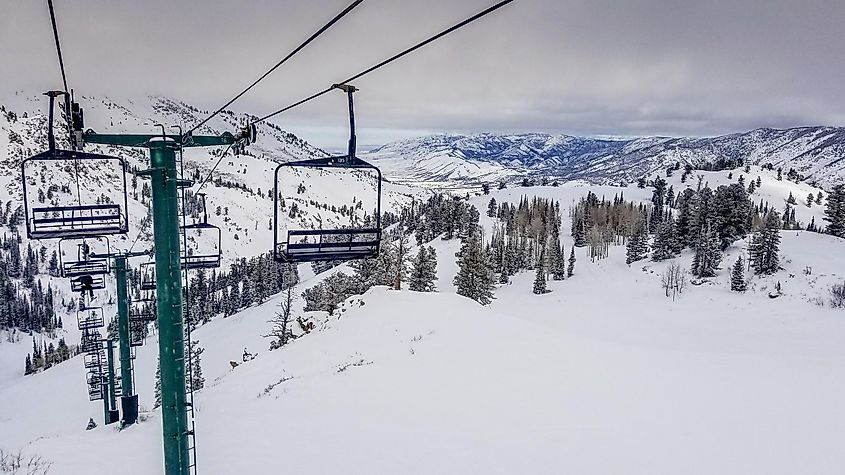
[[603, 375]]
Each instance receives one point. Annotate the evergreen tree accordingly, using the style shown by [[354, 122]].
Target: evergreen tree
[[475, 278], [157, 402], [424, 272], [492, 208], [834, 212], [197, 380], [53, 268], [540, 278], [247, 295], [559, 264], [637, 247], [28, 366], [765, 246], [738, 276], [708, 254], [571, 269], [665, 242]]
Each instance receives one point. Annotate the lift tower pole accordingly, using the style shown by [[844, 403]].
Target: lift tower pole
[[165, 182], [128, 398]]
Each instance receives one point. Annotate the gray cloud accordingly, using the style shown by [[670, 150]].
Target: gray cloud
[[584, 67]]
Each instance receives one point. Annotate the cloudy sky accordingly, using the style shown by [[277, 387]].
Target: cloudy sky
[[587, 67]]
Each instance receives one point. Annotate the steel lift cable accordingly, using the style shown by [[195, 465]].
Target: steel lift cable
[[276, 66], [388, 60], [367, 71]]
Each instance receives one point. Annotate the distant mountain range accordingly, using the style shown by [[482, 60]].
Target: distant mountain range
[[817, 153]]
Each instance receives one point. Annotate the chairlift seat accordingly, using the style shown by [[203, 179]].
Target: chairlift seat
[[94, 360], [148, 276], [91, 318], [89, 267], [95, 393], [78, 220], [330, 244], [87, 282], [91, 343], [202, 260]]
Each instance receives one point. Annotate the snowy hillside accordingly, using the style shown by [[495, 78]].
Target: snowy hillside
[[817, 153], [604, 374]]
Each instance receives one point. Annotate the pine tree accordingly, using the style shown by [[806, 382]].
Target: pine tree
[[738, 276], [157, 402], [559, 264], [424, 272], [708, 254], [540, 278], [492, 208], [571, 269], [637, 246], [834, 212], [28, 366], [475, 278], [765, 246], [665, 242], [197, 380]]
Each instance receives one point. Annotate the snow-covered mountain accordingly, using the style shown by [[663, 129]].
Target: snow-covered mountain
[[817, 153]]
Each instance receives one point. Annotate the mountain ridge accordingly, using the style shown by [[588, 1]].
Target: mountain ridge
[[815, 152]]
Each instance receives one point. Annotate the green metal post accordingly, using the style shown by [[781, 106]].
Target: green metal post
[[112, 414], [104, 392], [169, 304], [127, 401]]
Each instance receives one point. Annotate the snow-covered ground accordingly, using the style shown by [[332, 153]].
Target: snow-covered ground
[[602, 375]]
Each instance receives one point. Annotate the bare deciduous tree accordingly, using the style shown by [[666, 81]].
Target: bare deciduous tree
[[673, 280]]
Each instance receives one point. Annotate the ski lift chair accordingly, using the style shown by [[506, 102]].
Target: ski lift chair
[[143, 313], [87, 283], [91, 342], [94, 360], [136, 333], [90, 318], [79, 220], [148, 276], [307, 245], [84, 263], [204, 258]]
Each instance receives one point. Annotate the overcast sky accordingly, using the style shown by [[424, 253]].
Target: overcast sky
[[586, 67]]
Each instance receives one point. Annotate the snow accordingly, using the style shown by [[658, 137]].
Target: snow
[[602, 375]]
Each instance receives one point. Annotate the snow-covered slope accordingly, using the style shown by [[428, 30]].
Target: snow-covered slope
[[602, 375], [814, 152]]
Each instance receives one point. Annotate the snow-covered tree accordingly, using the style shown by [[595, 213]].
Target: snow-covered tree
[[738, 276], [637, 246], [492, 208], [475, 278], [708, 254], [571, 269], [540, 278], [834, 212], [157, 394], [197, 381], [424, 272], [765, 244]]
